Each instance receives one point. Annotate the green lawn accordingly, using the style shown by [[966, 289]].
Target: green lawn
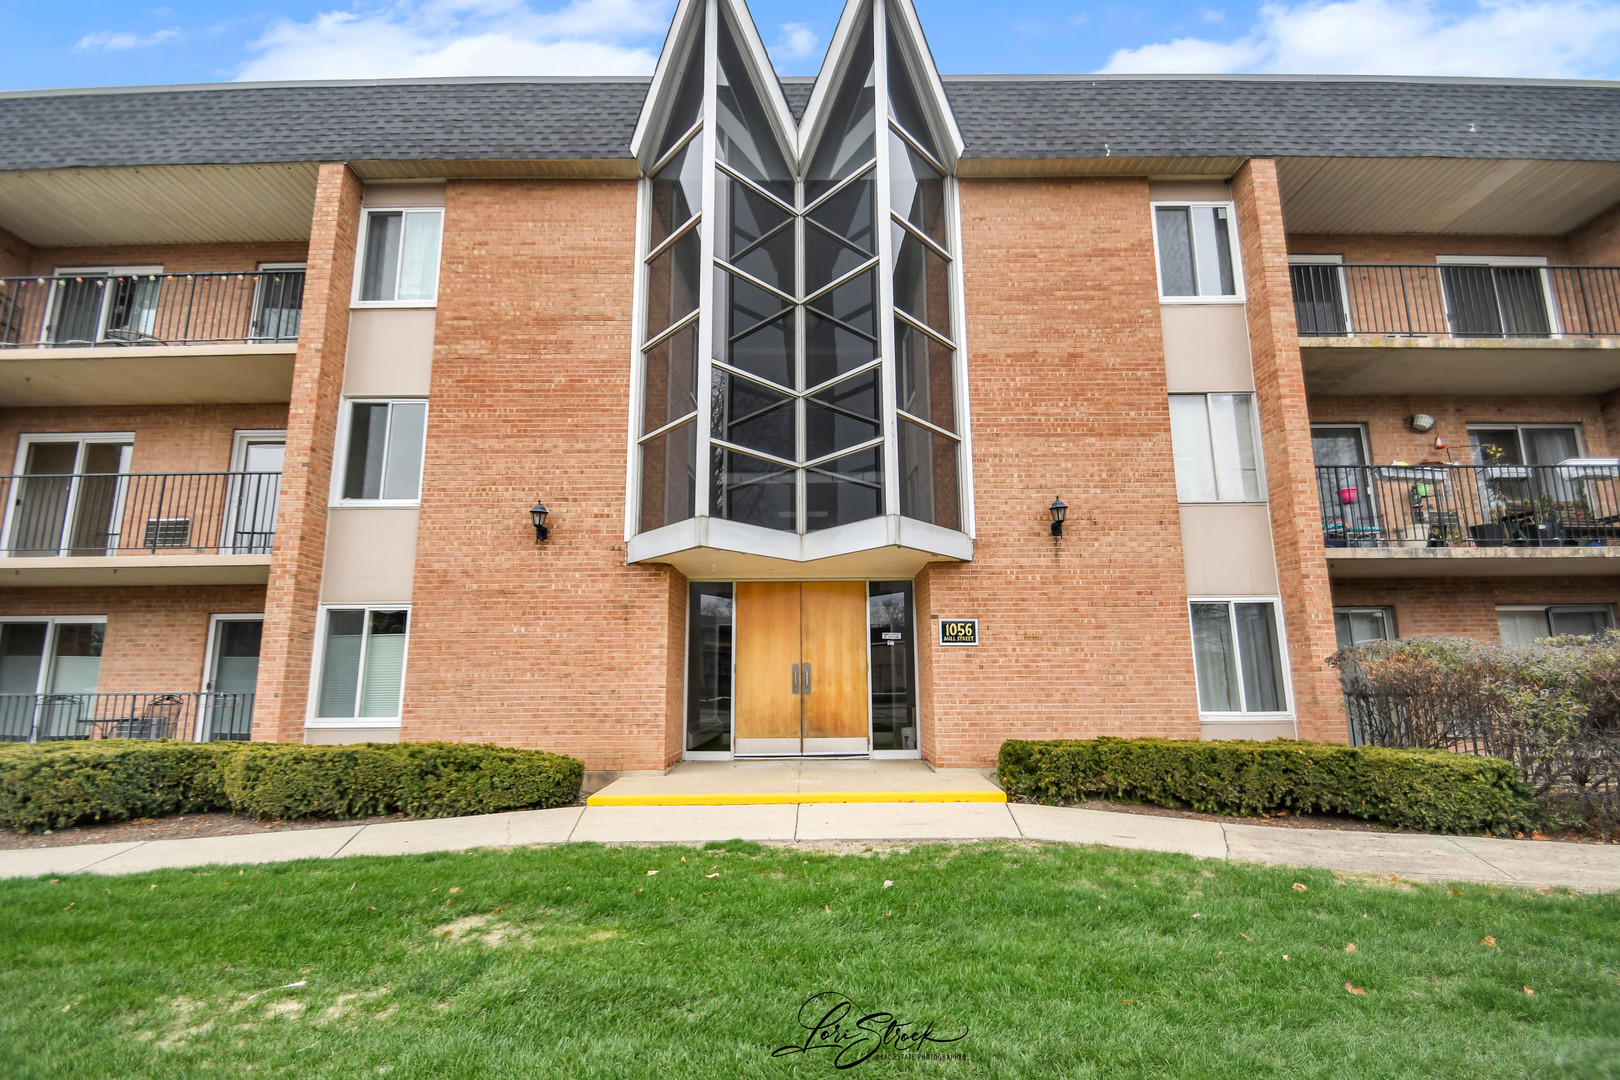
[[575, 962]]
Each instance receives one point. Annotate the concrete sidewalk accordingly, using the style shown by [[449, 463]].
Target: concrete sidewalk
[[1584, 867]]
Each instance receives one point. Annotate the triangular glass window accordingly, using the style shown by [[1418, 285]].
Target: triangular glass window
[[744, 138], [848, 141], [903, 99], [688, 104]]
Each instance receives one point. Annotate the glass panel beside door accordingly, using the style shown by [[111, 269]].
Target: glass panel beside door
[[48, 676], [233, 678]]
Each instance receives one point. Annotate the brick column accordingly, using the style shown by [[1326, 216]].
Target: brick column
[[300, 547], [1296, 518]]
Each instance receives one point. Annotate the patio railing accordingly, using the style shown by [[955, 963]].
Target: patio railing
[[1575, 504], [157, 513], [253, 307], [64, 716], [1452, 300]]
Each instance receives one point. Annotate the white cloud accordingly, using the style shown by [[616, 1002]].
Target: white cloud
[[796, 42], [427, 38], [1526, 38], [106, 41]]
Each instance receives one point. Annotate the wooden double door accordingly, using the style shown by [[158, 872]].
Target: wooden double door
[[801, 681]]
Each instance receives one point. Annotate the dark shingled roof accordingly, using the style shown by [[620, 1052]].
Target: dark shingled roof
[[1000, 117]]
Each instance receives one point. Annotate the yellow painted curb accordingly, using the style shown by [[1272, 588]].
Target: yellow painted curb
[[758, 798]]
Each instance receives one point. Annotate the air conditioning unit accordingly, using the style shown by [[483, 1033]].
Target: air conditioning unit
[[167, 532]]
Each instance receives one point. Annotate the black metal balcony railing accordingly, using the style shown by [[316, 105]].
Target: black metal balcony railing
[[58, 717], [255, 307], [1576, 504], [81, 514], [1334, 300]]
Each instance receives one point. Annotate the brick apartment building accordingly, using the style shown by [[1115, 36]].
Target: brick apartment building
[[798, 369]]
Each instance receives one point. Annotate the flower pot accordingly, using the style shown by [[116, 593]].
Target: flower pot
[[1414, 536]]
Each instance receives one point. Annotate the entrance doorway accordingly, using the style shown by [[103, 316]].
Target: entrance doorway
[[801, 668], [790, 668]]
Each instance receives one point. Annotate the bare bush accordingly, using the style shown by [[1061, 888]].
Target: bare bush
[[1552, 708]]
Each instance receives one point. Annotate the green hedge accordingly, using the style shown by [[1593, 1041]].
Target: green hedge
[[53, 785], [1410, 789]]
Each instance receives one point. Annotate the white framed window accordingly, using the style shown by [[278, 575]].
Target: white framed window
[[1498, 295], [380, 447], [49, 669], [359, 666], [1216, 442], [89, 305], [1238, 655], [1196, 245], [1321, 300], [278, 301], [69, 495], [1525, 624], [399, 257], [1360, 625]]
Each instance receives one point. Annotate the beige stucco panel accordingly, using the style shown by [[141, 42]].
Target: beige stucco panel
[[1206, 348], [1189, 191], [430, 193], [342, 736], [370, 555], [1258, 730], [1227, 547], [390, 352]]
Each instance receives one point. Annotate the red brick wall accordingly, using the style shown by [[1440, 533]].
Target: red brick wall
[[1377, 248], [300, 548], [1597, 243], [157, 637], [168, 438], [1462, 607], [1087, 635], [558, 645], [1296, 520], [1392, 440], [174, 258], [16, 255]]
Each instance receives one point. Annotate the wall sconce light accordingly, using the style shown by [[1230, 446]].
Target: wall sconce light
[[1422, 423], [1060, 510], [537, 513]]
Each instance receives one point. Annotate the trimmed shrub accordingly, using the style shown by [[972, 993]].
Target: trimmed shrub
[[53, 785], [420, 779], [1409, 789]]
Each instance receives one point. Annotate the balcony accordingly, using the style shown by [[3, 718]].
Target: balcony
[[138, 528], [1471, 520], [1458, 328], [189, 716], [146, 339]]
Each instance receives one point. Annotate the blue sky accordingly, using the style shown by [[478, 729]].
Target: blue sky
[[100, 43]]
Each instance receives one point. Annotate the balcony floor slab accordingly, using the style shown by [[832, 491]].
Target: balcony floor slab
[[147, 375], [1443, 365], [1503, 562], [18, 573]]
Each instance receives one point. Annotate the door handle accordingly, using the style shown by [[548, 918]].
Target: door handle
[[795, 678], [806, 678]]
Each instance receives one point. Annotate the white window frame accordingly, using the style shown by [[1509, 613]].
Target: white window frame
[[1576, 425], [1232, 235], [205, 688], [127, 438], [258, 291], [1344, 286], [340, 461], [1259, 450], [317, 662], [1385, 612], [1287, 712], [366, 214], [1546, 611], [92, 271], [48, 660], [1555, 328]]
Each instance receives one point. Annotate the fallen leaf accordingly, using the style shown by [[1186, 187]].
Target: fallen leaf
[[370, 908], [1529, 992], [888, 884], [1518, 836], [455, 888], [826, 909], [683, 858], [1456, 891], [1300, 888], [1350, 948], [69, 907], [1242, 935], [433, 890], [447, 933], [1488, 940], [650, 873], [55, 881], [1537, 836], [523, 991], [1198, 916], [1285, 956], [143, 821], [499, 910], [152, 886], [1356, 990], [714, 875]]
